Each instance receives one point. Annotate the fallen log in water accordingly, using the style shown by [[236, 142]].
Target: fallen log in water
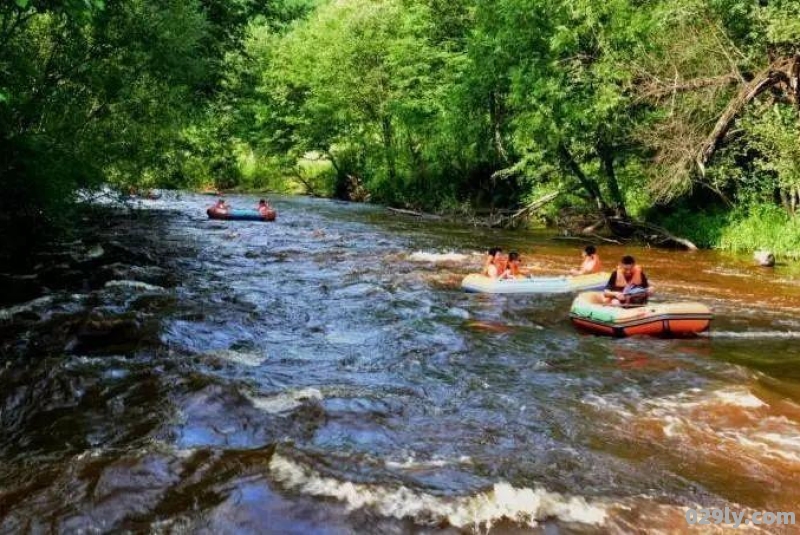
[[413, 213]]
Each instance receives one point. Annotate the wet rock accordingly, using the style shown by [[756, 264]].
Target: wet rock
[[114, 335], [764, 258], [153, 303]]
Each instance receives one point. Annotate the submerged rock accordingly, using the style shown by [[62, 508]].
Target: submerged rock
[[122, 334]]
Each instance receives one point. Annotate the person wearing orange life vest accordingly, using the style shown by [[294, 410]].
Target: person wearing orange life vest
[[628, 285], [512, 270], [591, 262]]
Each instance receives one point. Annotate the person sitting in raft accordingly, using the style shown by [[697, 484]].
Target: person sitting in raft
[[628, 285], [488, 263], [221, 206], [263, 207], [498, 266], [512, 270], [591, 262]]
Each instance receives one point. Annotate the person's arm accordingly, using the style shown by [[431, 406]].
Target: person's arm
[[491, 271], [611, 287]]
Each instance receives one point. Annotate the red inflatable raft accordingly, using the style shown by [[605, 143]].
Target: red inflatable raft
[[589, 313]]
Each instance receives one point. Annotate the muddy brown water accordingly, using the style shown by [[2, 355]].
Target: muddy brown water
[[326, 374]]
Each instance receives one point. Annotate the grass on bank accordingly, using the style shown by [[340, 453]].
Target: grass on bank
[[740, 230]]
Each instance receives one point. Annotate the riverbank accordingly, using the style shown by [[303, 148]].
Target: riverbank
[[761, 227]]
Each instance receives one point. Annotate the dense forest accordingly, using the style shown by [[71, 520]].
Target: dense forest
[[599, 114]]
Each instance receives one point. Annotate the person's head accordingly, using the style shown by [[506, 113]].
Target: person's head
[[627, 263], [220, 202], [494, 251], [513, 257], [590, 250], [262, 202]]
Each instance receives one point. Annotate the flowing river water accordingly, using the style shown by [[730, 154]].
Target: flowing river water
[[326, 374]]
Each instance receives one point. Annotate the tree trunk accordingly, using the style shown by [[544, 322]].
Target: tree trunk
[[787, 205], [388, 142], [496, 117], [333, 162], [607, 158], [587, 183], [418, 164]]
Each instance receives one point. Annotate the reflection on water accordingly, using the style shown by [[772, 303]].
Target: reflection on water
[[325, 373]]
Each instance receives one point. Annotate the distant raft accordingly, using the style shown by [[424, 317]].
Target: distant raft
[[588, 313], [242, 215], [534, 285]]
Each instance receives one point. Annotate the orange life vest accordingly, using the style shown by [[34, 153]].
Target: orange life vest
[[636, 277], [591, 264], [501, 266], [514, 268]]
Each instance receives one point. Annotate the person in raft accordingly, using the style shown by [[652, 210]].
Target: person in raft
[[496, 263], [221, 206], [628, 285], [489, 262], [263, 207], [512, 270], [591, 262]]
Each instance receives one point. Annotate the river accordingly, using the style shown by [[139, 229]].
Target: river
[[326, 374]]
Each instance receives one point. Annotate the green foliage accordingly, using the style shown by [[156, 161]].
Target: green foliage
[[780, 20], [429, 104], [128, 93], [762, 227], [704, 229], [758, 226]]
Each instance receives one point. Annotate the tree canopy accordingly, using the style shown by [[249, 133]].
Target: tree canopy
[[619, 108]]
